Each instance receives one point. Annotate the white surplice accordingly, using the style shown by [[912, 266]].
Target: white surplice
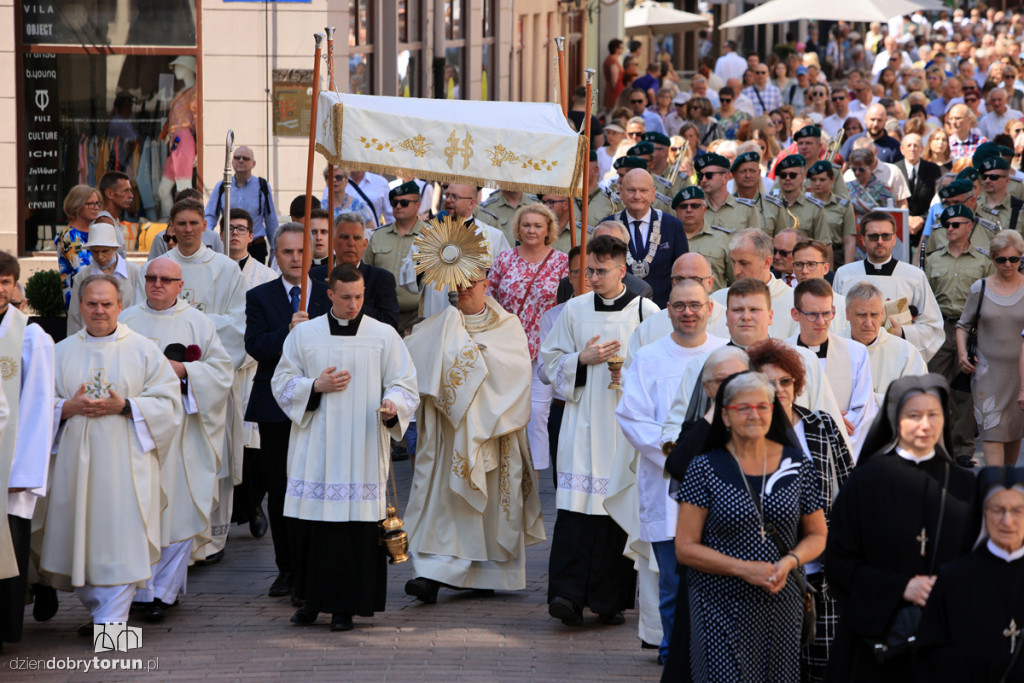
[[103, 515], [891, 358], [926, 333], [337, 471], [783, 325]]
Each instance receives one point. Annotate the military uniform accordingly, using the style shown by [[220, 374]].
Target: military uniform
[[760, 206], [564, 241], [841, 221], [1016, 187], [712, 242], [981, 236], [734, 215], [598, 206], [999, 213], [387, 249], [838, 184], [496, 211], [810, 215]]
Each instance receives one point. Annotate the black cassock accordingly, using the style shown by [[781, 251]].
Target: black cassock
[[966, 631], [874, 549]]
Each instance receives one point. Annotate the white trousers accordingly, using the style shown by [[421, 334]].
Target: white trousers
[[169, 574], [107, 604], [649, 626], [537, 428]]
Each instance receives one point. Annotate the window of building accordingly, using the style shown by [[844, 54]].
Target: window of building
[[360, 42], [410, 48]]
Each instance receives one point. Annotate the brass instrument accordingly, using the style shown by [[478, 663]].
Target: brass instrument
[[225, 219], [679, 160], [796, 221], [833, 147]]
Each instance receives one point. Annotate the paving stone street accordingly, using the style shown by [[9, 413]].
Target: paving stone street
[[226, 628]]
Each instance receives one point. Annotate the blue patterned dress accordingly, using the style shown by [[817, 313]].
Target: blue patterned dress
[[740, 632], [72, 256]]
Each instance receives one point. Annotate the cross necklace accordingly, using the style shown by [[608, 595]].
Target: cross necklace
[[764, 479], [922, 538], [1012, 632]]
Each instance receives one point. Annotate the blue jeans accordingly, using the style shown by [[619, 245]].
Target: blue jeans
[[668, 586], [410, 438]]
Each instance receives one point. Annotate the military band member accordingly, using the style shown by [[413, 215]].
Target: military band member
[[723, 209], [599, 201], [839, 215], [703, 237], [746, 172], [809, 146], [645, 151], [660, 168], [996, 203], [498, 210], [390, 245], [792, 208]]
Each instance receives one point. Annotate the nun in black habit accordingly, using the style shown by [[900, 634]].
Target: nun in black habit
[[972, 628], [899, 519]]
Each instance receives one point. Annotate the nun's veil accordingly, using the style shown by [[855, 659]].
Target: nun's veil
[[884, 433], [989, 479]]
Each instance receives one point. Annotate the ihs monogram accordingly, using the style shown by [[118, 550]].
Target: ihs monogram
[[97, 388]]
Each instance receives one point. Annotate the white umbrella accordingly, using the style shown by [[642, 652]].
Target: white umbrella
[[652, 18], [778, 11]]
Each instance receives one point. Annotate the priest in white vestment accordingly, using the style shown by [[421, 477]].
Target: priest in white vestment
[[120, 407], [26, 357], [188, 339], [474, 505], [891, 357], [650, 382], [896, 280], [214, 285], [844, 361], [587, 566], [751, 252], [103, 246], [346, 382]]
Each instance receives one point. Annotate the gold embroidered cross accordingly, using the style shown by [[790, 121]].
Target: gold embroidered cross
[[1012, 632], [96, 387], [922, 538], [454, 149]]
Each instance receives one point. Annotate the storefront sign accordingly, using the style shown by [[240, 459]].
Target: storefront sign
[[42, 139]]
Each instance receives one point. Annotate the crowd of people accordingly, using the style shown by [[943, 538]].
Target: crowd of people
[[759, 391]]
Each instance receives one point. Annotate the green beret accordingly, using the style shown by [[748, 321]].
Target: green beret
[[657, 138], [405, 188], [640, 149], [686, 194], [956, 188], [970, 174], [994, 164], [821, 166], [710, 159], [807, 132], [792, 161], [630, 162], [744, 158], [989, 149], [956, 211]]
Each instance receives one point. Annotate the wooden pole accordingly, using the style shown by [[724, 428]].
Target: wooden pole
[[329, 30], [586, 177], [307, 255], [562, 92]]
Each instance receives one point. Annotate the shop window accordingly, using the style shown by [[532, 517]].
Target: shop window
[[117, 23]]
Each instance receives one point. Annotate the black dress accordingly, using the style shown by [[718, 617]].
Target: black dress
[[874, 549], [965, 632]]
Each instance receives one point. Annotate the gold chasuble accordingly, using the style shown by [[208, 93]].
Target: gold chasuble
[[474, 506], [103, 519]]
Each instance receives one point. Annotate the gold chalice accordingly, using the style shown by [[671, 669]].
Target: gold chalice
[[615, 364]]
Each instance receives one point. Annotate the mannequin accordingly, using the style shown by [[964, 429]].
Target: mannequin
[[180, 134]]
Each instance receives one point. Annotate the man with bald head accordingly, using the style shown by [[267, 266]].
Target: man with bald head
[[656, 238], [963, 140], [690, 266], [887, 147], [999, 114], [189, 469], [251, 193]]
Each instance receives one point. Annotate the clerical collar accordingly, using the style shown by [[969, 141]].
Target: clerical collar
[[885, 269], [343, 328], [167, 311], [820, 351], [907, 455], [109, 337], [1002, 554], [200, 252], [734, 344], [317, 262], [611, 305], [242, 262]]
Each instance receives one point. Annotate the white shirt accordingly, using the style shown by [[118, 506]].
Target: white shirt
[[991, 124], [288, 291], [645, 228], [730, 65], [376, 189]]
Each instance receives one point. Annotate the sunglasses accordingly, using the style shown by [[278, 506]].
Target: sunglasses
[[170, 238], [1003, 259], [958, 224], [238, 158], [709, 174], [783, 253], [790, 175], [635, 135], [159, 279], [403, 202], [992, 176], [638, 101], [838, 98], [883, 236], [725, 100]]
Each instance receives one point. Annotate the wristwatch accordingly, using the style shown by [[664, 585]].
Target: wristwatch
[[127, 410]]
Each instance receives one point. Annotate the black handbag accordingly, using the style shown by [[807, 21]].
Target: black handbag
[[962, 381], [902, 630], [809, 626]]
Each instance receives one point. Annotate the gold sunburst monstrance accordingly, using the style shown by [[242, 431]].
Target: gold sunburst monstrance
[[450, 254]]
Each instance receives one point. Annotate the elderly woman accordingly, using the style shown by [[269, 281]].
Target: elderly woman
[[866, 191], [749, 492], [701, 114], [524, 281], [896, 522], [81, 207], [971, 626], [996, 305], [344, 202], [819, 437]]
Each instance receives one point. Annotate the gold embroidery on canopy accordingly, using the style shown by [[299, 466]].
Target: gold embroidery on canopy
[[454, 149], [417, 145]]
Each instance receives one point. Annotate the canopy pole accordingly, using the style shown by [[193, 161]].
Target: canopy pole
[[563, 89], [586, 178], [307, 254], [329, 30]]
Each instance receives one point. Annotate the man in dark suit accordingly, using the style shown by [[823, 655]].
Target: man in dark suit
[[271, 311], [922, 177], [381, 299], [657, 238]]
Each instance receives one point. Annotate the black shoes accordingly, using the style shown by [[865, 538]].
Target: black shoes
[[305, 617], [281, 586], [644, 645], [45, 603], [616, 619], [566, 610], [211, 559], [155, 611], [342, 622], [423, 589], [258, 523]]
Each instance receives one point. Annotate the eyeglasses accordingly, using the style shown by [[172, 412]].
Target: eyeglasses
[[454, 197], [638, 101], [958, 224], [239, 229], [745, 409], [674, 149], [553, 202], [597, 272], [676, 279], [93, 204], [1000, 512], [782, 252], [838, 98], [635, 134], [970, 99], [791, 175], [993, 176], [859, 169], [800, 265], [160, 279], [782, 382], [701, 175], [403, 202], [883, 236], [814, 316], [170, 238], [691, 306], [241, 158], [339, 178], [761, 73], [1003, 259], [690, 206]]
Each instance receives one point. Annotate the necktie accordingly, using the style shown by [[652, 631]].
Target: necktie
[[638, 237], [912, 178], [293, 294]]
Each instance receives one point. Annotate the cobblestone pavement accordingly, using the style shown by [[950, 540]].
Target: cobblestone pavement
[[227, 628]]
